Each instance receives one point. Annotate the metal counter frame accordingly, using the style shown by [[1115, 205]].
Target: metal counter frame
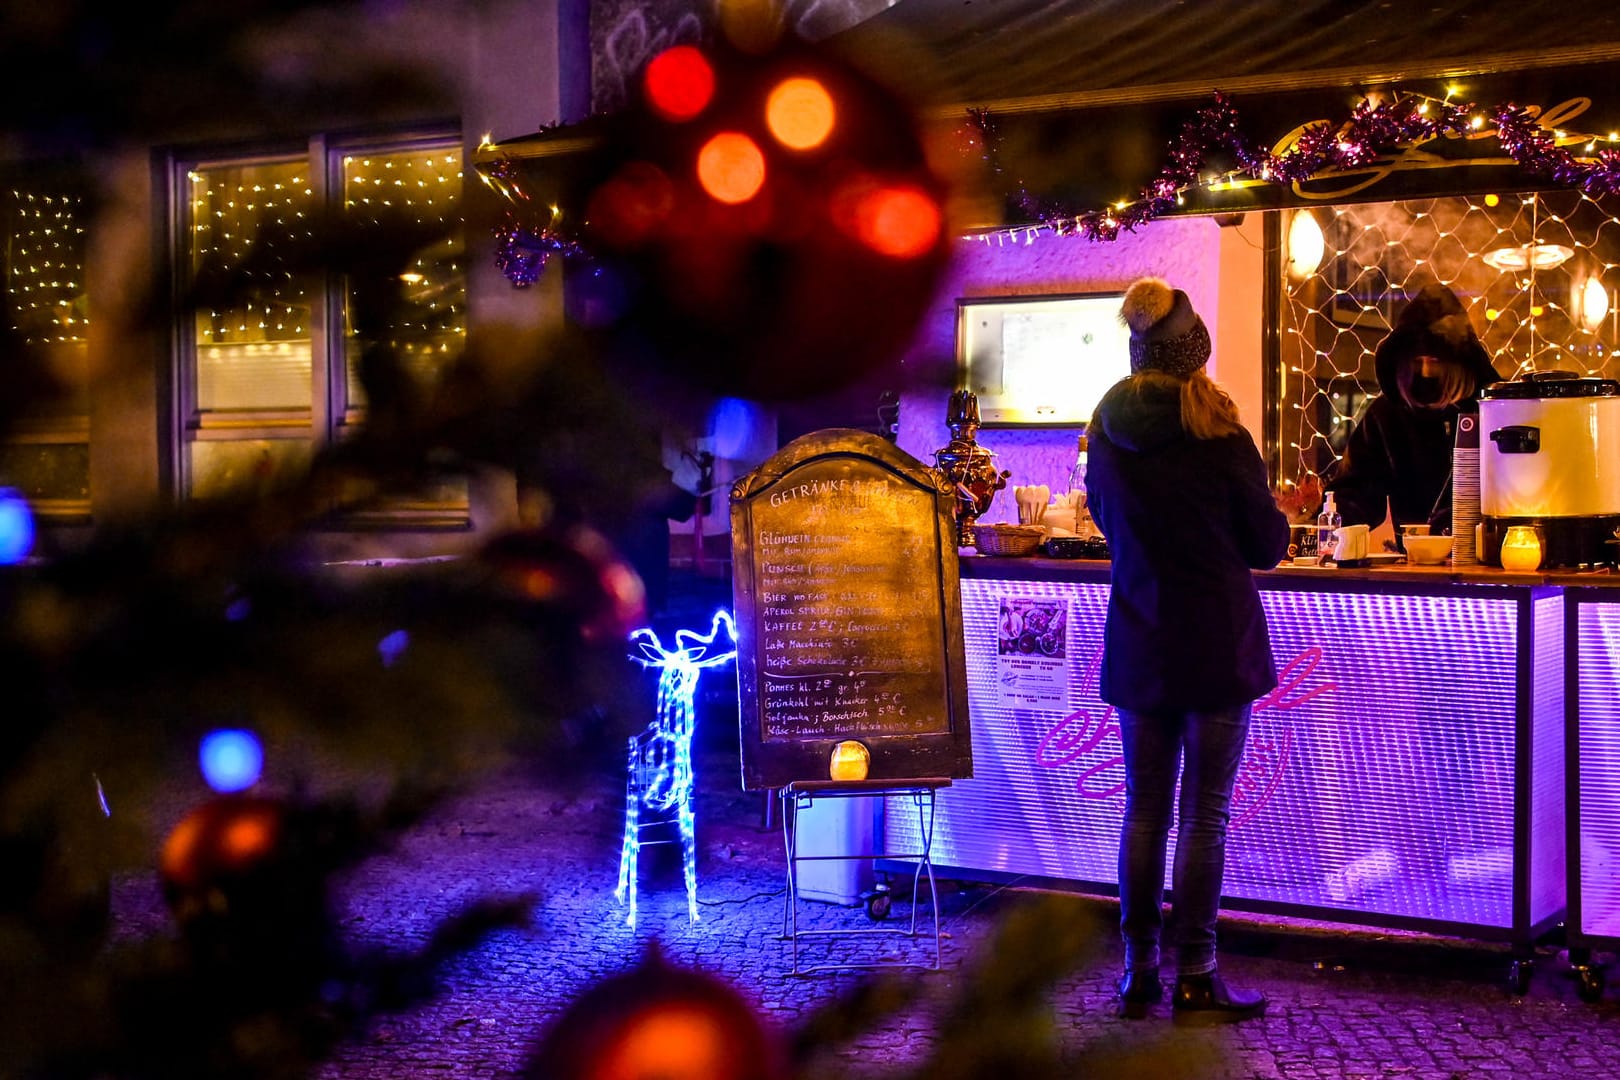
[[1592, 740], [1408, 773]]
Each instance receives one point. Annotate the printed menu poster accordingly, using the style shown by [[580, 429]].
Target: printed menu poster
[[1032, 652]]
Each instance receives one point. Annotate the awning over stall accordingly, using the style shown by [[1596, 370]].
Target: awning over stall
[[1085, 103], [1055, 55], [1099, 114]]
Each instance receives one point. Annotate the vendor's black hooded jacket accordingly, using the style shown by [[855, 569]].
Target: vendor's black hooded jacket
[[1186, 519], [1399, 453]]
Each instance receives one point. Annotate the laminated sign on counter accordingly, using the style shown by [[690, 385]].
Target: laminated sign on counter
[[1032, 652]]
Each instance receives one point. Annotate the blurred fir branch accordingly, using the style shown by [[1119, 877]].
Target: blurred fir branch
[[376, 693], [83, 75]]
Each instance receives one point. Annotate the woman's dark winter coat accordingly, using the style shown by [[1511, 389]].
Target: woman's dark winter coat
[[1400, 454], [1186, 519]]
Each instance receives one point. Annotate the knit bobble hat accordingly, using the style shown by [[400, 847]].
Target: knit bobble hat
[[1166, 333]]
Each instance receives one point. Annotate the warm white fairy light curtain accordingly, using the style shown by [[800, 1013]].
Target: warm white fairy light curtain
[[42, 255], [44, 266], [1538, 273], [257, 352], [423, 188]]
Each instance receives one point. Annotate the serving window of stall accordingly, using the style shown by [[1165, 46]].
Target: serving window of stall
[[1538, 273], [269, 358], [1040, 360], [46, 452]]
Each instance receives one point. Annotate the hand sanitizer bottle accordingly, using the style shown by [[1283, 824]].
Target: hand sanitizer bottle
[[1327, 528]]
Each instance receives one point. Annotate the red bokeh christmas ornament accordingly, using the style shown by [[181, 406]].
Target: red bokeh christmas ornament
[[247, 886], [223, 840], [658, 1022], [575, 574], [769, 224]]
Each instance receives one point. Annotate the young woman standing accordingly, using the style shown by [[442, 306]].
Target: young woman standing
[[1180, 491]]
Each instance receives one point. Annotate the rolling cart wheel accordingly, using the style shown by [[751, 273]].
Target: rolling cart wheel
[[1589, 983], [878, 902], [1519, 975]]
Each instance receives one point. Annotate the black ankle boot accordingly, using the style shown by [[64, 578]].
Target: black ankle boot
[[1137, 990], [1207, 999]]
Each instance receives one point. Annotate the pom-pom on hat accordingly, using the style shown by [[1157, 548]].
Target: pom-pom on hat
[[1166, 333]]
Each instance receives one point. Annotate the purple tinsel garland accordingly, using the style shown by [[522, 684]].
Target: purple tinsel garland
[[1372, 129], [522, 254], [522, 250]]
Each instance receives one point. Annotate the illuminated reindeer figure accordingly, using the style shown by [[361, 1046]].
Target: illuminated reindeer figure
[[661, 756]]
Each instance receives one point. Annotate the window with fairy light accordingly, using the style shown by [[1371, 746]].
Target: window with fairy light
[[269, 360], [1538, 273], [46, 454]]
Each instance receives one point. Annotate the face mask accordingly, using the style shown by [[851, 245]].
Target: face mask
[[1424, 392]]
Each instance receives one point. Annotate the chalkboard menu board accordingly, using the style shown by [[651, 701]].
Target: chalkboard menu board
[[848, 613]]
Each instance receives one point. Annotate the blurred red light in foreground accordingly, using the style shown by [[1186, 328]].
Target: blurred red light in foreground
[[899, 220], [249, 838], [731, 168], [680, 83], [629, 207]]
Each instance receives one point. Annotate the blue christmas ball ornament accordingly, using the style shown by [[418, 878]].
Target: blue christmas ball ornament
[[231, 760], [16, 527]]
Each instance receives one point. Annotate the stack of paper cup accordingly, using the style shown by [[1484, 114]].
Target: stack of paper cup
[[1465, 490]]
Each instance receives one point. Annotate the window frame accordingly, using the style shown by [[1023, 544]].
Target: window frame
[[331, 416]]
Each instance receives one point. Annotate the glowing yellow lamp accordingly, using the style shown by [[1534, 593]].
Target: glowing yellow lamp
[[1306, 245], [850, 761], [1594, 303], [1521, 548]]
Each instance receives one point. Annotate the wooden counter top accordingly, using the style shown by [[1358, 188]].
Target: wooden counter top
[[1472, 575]]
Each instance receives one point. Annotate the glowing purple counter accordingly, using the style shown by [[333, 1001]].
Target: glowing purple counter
[[1408, 772]]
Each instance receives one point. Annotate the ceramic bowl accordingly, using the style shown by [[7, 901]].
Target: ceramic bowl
[[1427, 550]]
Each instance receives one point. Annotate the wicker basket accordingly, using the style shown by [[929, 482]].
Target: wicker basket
[[1008, 539]]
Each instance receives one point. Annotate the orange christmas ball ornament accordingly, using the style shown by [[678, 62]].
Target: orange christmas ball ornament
[[223, 838], [658, 1022]]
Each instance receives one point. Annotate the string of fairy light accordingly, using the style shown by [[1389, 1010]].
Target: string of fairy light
[[1376, 125], [428, 185], [259, 209], [44, 267], [1539, 273]]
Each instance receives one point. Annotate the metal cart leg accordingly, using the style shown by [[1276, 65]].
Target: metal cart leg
[[923, 801], [790, 913]]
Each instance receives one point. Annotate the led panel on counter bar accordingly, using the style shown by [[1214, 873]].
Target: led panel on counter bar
[[1379, 777], [1598, 784]]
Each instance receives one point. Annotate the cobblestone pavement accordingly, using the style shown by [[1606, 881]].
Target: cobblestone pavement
[[1343, 1004]]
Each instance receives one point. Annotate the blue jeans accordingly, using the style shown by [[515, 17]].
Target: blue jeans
[[1154, 745]]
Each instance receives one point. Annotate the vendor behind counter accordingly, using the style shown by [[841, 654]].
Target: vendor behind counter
[[1431, 369]]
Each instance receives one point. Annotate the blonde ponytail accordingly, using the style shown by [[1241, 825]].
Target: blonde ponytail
[[1207, 411]]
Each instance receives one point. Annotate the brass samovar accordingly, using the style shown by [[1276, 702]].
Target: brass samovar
[[968, 467]]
